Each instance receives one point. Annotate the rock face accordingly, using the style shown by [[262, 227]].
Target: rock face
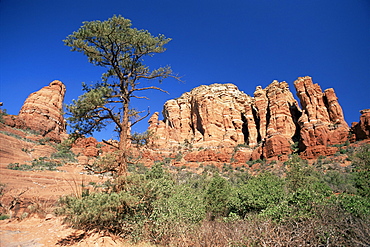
[[211, 116], [42, 112], [322, 122], [361, 129], [220, 115]]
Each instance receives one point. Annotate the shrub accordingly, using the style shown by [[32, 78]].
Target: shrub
[[16, 136], [301, 176], [183, 209], [42, 163], [340, 182], [106, 163], [361, 163], [218, 197], [262, 192], [354, 204], [64, 155], [112, 212], [4, 217]]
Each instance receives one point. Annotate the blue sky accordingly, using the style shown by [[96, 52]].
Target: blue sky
[[245, 42]]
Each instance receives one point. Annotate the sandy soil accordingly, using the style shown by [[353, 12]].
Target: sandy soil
[[30, 197]]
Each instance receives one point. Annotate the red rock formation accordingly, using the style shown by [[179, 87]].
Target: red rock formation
[[261, 104], [207, 116], [322, 121], [361, 129], [242, 155], [220, 115], [86, 147], [42, 112], [281, 104], [283, 112], [208, 155], [277, 148]]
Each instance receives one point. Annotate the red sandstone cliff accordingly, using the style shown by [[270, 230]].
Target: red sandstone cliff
[[322, 122], [220, 115]]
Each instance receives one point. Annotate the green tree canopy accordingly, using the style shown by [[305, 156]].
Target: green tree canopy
[[116, 46]]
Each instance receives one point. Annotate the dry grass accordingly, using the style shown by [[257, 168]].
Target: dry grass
[[327, 229]]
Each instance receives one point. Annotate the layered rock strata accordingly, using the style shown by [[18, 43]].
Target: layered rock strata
[[220, 115], [42, 112]]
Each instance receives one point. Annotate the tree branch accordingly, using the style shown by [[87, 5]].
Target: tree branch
[[111, 115], [148, 113], [147, 88], [110, 144]]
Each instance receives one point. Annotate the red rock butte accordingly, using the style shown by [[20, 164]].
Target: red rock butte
[[42, 112], [220, 115]]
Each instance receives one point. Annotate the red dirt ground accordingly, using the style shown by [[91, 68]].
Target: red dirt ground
[[30, 197]]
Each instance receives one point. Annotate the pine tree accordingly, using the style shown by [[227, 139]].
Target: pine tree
[[116, 46]]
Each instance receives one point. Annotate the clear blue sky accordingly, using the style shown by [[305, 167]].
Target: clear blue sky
[[245, 42]]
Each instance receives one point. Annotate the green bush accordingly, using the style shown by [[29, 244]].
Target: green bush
[[361, 163], [263, 192], [181, 212], [356, 205], [340, 182], [4, 217], [64, 155], [113, 211], [218, 197], [42, 163]]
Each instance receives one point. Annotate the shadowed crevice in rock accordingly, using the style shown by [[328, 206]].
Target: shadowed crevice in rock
[[257, 121]]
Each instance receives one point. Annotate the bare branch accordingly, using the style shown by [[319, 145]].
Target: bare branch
[[140, 97], [110, 144], [146, 115], [111, 114], [147, 88]]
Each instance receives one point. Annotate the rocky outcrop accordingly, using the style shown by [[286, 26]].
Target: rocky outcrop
[[42, 112], [207, 116], [208, 155], [322, 122], [89, 148], [220, 115], [86, 147], [361, 130]]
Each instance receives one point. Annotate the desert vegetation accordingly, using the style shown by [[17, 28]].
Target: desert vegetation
[[304, 205]]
